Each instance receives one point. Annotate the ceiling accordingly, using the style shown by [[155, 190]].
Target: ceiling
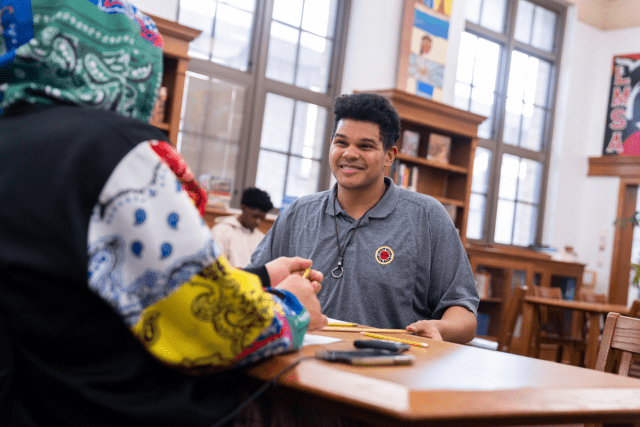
[[609, 14]]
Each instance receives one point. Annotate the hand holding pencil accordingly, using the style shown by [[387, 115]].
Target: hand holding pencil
[[301, 284], [281, 268]]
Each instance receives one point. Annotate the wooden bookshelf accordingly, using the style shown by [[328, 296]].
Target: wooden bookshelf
[[176, 38], [449, 183]]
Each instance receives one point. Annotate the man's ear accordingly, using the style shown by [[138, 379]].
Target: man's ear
[[390, 155]]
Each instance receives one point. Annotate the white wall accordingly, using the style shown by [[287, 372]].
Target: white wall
[[167, 9], [372, 45]]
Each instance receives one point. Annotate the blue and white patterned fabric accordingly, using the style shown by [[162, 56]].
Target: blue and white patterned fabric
[[145, 241]]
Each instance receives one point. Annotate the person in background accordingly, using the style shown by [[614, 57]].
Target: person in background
[[116, 308], [238, 236], [391, 258]]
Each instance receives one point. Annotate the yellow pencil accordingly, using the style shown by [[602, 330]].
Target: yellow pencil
[[341, 324], [360, 329], [305, 275], [384, 337]]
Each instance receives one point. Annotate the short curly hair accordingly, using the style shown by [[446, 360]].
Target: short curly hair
[[369, 107], [257, 199]]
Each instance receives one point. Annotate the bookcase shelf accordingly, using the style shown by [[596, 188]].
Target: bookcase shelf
[[450, 182], [444, 200], [430, 163], [492, 299], [176, 38]]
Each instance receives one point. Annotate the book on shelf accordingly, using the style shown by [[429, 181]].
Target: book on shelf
[[393, 171], [482, 327], [483, 283], [218, 191], [439, 148], [408, 177], [413, 183], [410, 141], [399, 173], [452, 210]]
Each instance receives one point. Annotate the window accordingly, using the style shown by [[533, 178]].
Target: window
[[258, 93], [507, 71]]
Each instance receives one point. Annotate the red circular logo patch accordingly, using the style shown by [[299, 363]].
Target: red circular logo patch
[[384, 255]]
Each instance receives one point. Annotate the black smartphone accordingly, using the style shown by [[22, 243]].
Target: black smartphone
[[394, 346], [367, 357]]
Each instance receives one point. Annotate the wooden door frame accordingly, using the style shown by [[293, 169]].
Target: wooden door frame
[[627, 168], [623, 241]]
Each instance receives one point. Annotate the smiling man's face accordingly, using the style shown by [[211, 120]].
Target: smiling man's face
[[357, 155]]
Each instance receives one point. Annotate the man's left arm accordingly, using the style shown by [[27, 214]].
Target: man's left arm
[[457, 324], [448, 300]]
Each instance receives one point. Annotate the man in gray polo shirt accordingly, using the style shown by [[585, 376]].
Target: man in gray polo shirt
[[391, 258]]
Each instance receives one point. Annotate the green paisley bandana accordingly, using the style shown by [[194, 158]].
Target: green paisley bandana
[[102, 54]]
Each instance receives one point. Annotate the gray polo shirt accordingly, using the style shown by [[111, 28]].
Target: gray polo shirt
[[404, 263]]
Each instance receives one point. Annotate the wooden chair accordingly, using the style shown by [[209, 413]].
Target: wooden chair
[[582, 324], [621, 333], [634, 369], [512, 311], [591, 297], [508, 321], [551, 326]]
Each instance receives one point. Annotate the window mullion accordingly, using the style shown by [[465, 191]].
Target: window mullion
[[246, 174], [499, 114]]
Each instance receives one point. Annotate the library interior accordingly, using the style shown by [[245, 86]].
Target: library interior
[[385, 212]]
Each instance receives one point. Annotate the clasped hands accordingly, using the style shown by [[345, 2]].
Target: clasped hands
[[286, 273]]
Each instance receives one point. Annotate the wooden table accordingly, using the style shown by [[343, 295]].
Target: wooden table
[[454, 385], [592, 310]]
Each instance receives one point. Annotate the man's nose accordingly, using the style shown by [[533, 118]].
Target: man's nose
[[351, 152]]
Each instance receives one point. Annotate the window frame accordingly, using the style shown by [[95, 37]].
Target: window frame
[[508, 45], [257, 85]]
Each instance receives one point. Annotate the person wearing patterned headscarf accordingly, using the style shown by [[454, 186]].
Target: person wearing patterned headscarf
[[112, 291]]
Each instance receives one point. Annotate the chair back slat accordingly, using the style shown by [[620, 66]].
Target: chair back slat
[[550, 317], [625, 363], [510, 317], [621, 333], [626, 336]]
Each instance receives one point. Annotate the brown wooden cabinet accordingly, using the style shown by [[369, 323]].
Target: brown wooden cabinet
[[176, 38], [449, 183], [509, 267]]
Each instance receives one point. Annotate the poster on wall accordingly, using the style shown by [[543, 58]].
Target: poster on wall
[[622, 133], [423, 48]]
